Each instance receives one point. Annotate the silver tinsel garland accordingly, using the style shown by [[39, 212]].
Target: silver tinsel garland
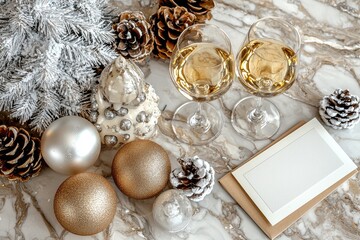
[[48, 52]]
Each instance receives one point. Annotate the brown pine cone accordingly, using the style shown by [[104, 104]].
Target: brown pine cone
[[340, 109], [167, 24], [20, 155], [195, 177], [201, 8], [134, 40]]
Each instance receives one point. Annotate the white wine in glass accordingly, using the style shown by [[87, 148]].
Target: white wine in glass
[[266, 66], [202, 69]]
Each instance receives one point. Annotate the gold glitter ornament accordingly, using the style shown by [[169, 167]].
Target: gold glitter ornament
[[85, 204], [141, 169]]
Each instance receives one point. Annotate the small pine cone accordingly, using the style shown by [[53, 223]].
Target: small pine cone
[[20, 155], [196, 177], [134, 40], [340, 109], [167, 25], [201, 8]]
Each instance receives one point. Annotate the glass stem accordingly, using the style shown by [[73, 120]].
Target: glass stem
[[257, 115], [199, 121]]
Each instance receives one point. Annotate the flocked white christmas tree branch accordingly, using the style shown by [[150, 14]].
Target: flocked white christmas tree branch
[[48, 52]]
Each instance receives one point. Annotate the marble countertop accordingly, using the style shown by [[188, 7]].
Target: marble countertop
[[330, 59]]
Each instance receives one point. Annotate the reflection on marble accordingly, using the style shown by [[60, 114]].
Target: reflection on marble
[[330, 59]]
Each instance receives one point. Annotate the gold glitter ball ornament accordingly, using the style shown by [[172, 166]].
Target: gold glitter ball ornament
[[141, 169], [85, 204]]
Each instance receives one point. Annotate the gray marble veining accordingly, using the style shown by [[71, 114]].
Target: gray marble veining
[[330, 59]]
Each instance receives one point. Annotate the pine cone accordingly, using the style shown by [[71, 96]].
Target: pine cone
[[134, 40], [201, 8], [340, 109], [167, 24], [20, 156], [196, 177]]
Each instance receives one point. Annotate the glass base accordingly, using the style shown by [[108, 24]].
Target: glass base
[[264, 128], [186, 133]]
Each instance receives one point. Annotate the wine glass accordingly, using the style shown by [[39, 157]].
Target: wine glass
[[266, 66], [202, 69]]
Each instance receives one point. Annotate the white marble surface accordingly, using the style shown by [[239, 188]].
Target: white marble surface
[[330, 60]]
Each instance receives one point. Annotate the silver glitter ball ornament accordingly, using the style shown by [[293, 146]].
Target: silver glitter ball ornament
[[141, 117], [70, 145], [98, 127], [142, 97], [125, 124], [126, 137], [172, 210], [110, 140], [109, 114], [122, 111], [94, 116]]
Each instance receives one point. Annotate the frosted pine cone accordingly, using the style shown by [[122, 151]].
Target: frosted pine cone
[[20, 156], [196, 177], [201, 8], [340, 109], [167, 25], [134, 40]]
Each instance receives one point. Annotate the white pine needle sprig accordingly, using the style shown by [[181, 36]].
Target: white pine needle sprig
[[48, 52]]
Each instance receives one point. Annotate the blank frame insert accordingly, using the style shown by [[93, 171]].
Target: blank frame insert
[[293, 171]]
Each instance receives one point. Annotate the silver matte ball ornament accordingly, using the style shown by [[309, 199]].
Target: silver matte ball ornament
[[70, 145]]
